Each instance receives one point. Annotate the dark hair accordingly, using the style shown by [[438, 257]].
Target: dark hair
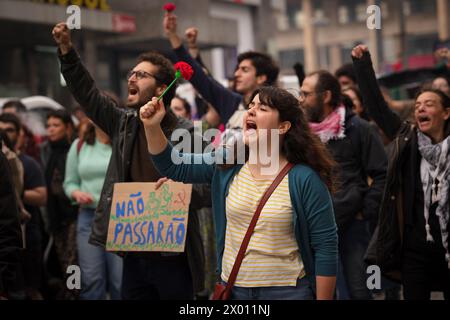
[[364, 115], [264, 65], [11, 118], [18, 105], [300, 145], [77, 108], [327, 82], [347, 101], [186, 104], [87, 132], [61, 114], [166, 72], [445, 101], [4, 139], [347, 71]]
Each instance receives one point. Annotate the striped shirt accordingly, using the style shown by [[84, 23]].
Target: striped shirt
[[272, 257]]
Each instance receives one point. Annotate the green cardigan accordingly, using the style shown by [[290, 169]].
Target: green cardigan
[[314, 223]]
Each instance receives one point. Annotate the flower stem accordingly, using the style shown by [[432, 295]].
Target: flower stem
[[177, 76]]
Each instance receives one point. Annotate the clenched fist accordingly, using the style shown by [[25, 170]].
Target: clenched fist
[[191, 36], [152, 113], [170, 25], [61, 34], [359, 50]]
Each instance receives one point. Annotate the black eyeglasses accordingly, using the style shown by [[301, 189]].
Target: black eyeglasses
[[140, 75]]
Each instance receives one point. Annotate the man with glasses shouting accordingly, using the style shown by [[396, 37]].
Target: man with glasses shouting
[[153, 275]]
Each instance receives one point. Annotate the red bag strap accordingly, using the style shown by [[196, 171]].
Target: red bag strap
[[79, 145], [251, 227]]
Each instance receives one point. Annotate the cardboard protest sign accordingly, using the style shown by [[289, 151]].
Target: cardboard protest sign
[[143, 219]]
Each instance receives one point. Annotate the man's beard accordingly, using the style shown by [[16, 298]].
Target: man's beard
[[315, 112], [136, 105]]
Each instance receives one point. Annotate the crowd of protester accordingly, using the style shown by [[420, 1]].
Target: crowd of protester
[[368, 183]]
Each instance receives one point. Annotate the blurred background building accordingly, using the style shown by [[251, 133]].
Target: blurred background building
[[317, 33], [409, 30]]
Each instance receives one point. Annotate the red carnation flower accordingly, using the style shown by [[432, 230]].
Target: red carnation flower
[[169, 7], [185, 69]]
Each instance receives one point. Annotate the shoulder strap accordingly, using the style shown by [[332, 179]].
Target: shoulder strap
[[79, 145], [244, 245]]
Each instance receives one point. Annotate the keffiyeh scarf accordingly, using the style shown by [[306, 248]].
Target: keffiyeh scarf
[[435, 176], [332, 127]]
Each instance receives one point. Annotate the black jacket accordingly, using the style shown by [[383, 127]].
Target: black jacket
[[10, 234], [359, 155], [396, 211], [61, 211], [121, 125]]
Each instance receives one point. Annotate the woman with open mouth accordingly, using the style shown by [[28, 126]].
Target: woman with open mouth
[[292, 251], [412, 242]]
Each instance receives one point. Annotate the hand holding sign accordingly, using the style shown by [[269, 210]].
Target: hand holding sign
[[145, 219], [160, 182]]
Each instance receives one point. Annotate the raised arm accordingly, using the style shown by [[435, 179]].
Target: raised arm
[[373, 99], [187, 168], [98, 107], [191, 39], [224, 101]]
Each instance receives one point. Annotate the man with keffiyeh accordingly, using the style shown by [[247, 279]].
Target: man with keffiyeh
[[359, 152]]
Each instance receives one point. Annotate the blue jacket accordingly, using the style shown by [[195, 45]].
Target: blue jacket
[[314, 223]]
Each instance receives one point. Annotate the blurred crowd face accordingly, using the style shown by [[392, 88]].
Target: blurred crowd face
[[346, 82], [357, 105], [11, 109], [430, 114], [56, 129], [441, 84], [245, 79], [10, 131], [142, 85], [179, 109], [311, 101]]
